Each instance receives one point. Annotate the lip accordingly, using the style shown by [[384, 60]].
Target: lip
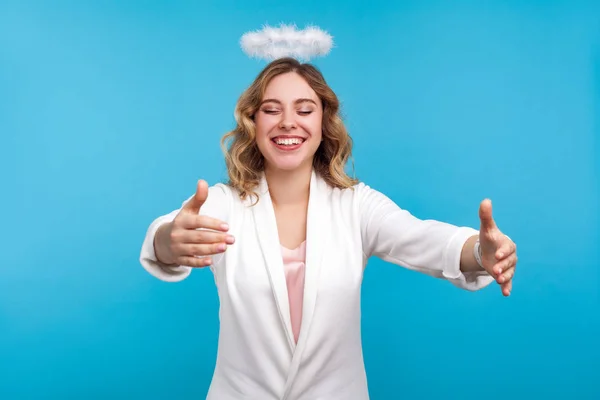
[[288, 148], [289, 137]]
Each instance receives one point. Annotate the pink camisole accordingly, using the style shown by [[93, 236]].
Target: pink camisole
[[294, 264]]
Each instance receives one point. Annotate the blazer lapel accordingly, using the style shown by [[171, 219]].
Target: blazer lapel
[[317, 233], [268, 237]]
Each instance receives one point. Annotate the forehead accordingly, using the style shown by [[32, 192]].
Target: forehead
[[288, 87]]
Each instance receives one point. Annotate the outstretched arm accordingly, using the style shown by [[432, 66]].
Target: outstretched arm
[[431, 247]]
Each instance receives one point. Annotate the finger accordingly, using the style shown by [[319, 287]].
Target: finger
[[485, 216], [506, 288], [194, 250], [195, 262], [199, 236], [193, 205], [506, 275], [506, 249], [203, 222], [505, 264], [205, 237]]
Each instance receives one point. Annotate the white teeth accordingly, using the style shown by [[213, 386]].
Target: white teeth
[[288, 142]]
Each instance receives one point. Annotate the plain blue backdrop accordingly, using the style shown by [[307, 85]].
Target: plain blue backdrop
[[110, 111]]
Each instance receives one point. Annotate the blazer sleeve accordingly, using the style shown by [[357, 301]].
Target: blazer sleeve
[[427, 246], [217, 205]]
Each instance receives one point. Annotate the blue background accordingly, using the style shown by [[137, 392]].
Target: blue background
[[110, 111]]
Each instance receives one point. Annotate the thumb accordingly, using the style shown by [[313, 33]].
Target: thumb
[[194, 204], [485, 216]]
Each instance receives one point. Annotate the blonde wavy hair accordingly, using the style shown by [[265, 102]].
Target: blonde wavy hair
[[244, 160]]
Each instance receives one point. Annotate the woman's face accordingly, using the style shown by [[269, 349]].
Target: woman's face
[[289, 123]]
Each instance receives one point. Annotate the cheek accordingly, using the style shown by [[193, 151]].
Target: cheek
[[314, 126], [319, 132], [261, 139], [262, 127]]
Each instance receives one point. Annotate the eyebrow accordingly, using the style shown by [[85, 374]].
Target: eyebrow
[[297, 101]]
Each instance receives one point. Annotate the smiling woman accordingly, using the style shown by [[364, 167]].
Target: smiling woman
[[288, 238]]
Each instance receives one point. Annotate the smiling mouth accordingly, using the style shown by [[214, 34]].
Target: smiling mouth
[[283, 141]]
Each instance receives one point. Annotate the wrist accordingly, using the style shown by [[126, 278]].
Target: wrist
[[468, 261], [477, 253], [161, 245]]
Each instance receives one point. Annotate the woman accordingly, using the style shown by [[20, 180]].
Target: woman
[[287, 240]]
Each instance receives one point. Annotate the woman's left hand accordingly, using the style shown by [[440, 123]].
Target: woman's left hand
[[498, 251]]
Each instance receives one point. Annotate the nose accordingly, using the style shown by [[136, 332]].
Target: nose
[[287, 122]]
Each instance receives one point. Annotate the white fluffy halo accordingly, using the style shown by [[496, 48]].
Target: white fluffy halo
[[286, 41]]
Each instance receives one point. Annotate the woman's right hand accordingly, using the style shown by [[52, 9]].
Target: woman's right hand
[[181, 243]]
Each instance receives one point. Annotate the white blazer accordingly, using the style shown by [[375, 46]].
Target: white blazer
[[257, 356]]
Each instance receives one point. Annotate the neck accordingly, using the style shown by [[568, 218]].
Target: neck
[[289, 187]]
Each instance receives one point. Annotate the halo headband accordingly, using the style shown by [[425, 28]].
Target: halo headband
[[286, 41]]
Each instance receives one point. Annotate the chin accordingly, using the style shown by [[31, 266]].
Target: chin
[[286, 165]]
